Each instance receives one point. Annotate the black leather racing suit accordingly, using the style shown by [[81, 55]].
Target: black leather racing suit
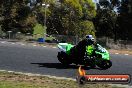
[[79, 50]]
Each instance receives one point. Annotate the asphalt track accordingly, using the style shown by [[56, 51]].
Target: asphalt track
[[42, 60]]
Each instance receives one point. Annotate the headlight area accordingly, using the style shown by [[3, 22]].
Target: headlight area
[[105, 56]]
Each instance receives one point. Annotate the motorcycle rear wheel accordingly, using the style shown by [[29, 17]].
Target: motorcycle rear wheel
[[105, 64], [90, 63]]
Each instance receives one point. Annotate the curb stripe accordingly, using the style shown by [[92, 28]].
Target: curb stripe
[[120, 53], [2, 42], [34, 45], [12, 43], [22, 44], [54, 47], [126, 54]]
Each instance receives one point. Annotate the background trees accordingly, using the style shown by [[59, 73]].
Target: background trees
[[106, 19], [110, 18], [16, 15], [114, 19], [73, 17], [125, 20], [70, 17]]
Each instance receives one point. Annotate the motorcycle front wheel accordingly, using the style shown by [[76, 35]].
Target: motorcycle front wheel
[[63, 58]]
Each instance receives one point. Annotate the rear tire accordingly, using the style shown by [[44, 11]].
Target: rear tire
[[90, 62], [93, 65], [105, 64], [63, 58]]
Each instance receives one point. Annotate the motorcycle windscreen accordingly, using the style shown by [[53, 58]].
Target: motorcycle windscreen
[[62, 46], [65, 47]]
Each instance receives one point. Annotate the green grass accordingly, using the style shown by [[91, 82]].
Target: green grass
[[7, 84], [12, 80]]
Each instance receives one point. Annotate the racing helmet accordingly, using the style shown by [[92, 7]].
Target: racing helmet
[[90, 38]]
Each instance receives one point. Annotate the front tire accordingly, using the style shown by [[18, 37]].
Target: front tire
[[63, 58]]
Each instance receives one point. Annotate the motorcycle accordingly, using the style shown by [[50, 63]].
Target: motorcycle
[[94, 56]]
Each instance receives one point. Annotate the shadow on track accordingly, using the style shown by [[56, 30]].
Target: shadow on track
[[56, 65], [61, 66]]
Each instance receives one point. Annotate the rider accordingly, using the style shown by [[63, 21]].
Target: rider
[[81, 46]]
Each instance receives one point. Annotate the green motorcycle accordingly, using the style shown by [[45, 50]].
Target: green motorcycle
[[94, 56]]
